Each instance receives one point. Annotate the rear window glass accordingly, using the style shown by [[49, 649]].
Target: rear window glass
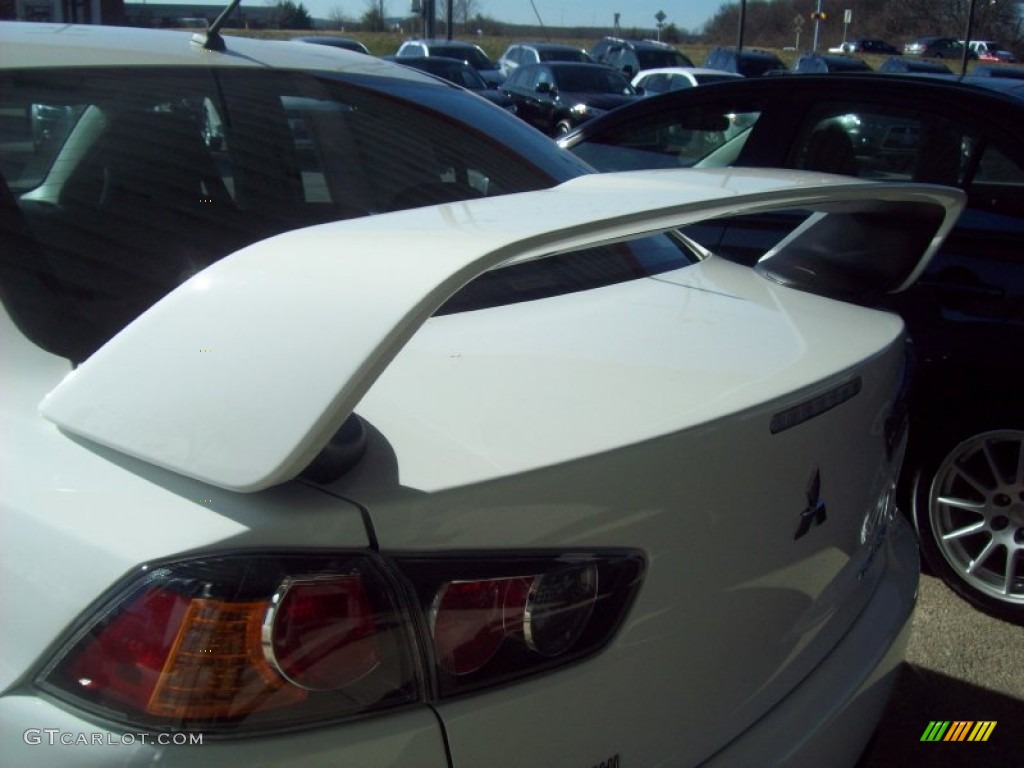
[[120, 185], [882, 142], [702, 137]]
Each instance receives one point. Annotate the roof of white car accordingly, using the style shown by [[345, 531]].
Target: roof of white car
[[694, 73], [27, 45], [688, 71]]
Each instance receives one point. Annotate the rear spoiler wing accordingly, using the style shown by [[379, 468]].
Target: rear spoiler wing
[[240, 376]]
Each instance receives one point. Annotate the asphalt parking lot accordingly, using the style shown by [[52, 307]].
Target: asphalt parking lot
[[961, 665]]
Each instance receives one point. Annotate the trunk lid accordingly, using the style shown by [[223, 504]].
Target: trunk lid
[[714, 452]]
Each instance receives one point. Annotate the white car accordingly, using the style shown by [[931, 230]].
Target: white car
[[515, 479], [992, 50], [664, 79]]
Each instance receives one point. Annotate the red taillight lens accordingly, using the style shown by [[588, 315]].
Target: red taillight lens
[[127, 660], [472, 618]]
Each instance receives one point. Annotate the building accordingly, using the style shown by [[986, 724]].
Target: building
[[73, 11]]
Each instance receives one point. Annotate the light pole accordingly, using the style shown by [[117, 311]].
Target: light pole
[[817, 23], [743, 21], [967, 38]]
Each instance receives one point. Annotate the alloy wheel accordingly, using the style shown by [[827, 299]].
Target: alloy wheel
[[976, 512]]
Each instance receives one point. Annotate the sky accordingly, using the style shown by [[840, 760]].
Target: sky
[[688, 14]]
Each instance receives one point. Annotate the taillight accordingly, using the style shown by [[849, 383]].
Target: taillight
[[244, 643], [495, 618], [470, 620], [237, 644]]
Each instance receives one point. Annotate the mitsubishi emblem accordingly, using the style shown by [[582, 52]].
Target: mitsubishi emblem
[[815, 513]]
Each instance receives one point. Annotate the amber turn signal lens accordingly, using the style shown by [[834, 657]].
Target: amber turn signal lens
[[215, 669]]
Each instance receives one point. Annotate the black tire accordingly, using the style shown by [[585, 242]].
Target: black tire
[[968, 508]]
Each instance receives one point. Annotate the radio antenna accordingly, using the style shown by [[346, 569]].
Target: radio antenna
[[211, 39]]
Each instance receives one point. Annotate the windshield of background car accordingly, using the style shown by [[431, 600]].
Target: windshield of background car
[[120, 184], [592, 79], [653, 59], [454, 71], [471, 55], [666, 138], [705, 78], [848, 65], [755, 66], [558, 54]]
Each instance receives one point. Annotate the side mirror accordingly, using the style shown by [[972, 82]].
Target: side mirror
[[627, 70], [545, 88]]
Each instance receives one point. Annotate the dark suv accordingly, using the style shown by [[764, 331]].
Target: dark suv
[[870, 45], [633, 56], [519, 54], [937, 47], [470, 53], [748, 62]]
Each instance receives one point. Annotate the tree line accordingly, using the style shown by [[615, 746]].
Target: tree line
[[769, 23], [773, 23]]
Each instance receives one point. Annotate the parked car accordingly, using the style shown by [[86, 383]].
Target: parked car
[[635, 56], [534, 53], [963, 481], [810, 62], [599, 50], [471, 53], [307, 485], [749, 62], [870, 45], [908, 65], [334, 41], [653, 81], [459, 73], [558, 96], [936, 47], [987, 70], [992, 50]]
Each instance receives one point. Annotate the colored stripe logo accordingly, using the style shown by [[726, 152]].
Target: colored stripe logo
[[958, 730]]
